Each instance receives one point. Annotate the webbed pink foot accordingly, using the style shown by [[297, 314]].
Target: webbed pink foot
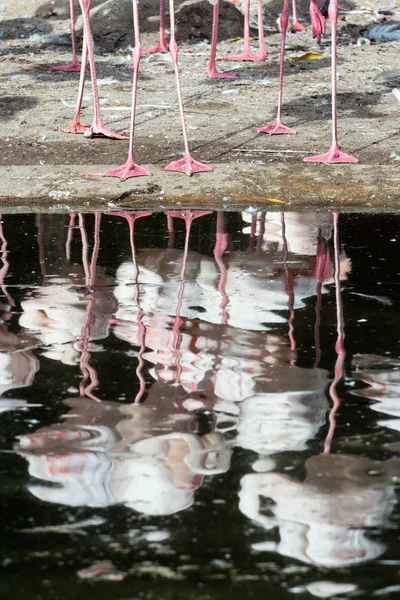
[[212, 73], [160, 48], [333, 156], [75, 128], [297, 26], [127, 171], [188, 165], [103, 131], [246, 55], [72, 67], [277, 128]]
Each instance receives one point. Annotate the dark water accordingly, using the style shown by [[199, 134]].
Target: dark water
[[203, 407]]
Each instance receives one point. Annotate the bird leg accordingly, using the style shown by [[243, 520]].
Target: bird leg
[[187, 164], [318, 24], [130, 168], [334, 155], [76, 126], [212, 69], [246, 54], [75, 64], [97, 128], [296, 25], [162, 44], [277, 126]]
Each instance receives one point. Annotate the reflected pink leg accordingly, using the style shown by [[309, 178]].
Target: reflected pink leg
[[321, 263], [162, 44], [289, 289], [71, 226], [130, 168], [277, 127], [187, 164], [221, 244], [246, 54], [340, 351], [188, 216], [76, 126], [296, 25], [212, 69], [4, 269], [97, 127], [334, 155], [75, 64]]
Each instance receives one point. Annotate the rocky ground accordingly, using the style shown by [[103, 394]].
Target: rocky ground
[[42, 167]]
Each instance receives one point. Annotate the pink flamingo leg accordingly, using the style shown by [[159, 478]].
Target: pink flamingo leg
[[162, 44], [187, 164], [277, 127], [340, 351], [296, 25], [212, 69], [75, 64], [76, 126], [97, 127], [130, 168], [246, 54], [318, 23], [334, 155]]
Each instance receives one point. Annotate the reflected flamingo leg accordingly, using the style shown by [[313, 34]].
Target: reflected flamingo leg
[[340, 350]]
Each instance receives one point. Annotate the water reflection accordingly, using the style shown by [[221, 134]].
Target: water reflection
[[222, 349]]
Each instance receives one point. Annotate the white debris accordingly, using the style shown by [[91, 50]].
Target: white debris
[[327, 589], [58, 194]]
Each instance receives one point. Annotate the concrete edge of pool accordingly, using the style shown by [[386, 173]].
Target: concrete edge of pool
[[276, 186]]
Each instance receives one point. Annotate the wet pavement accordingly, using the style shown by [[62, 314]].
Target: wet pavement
[[199, 405]]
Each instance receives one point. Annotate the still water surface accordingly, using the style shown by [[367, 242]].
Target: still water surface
[[199, 405]]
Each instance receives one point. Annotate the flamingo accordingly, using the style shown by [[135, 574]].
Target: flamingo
[[74, 65], [334, 154], [97, 128], [187, 164]]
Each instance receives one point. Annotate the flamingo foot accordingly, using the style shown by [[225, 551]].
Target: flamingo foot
[[277, 128], [246, 55], [75, 128], [72, 67], [296, 26], [188, 165], [212, 73], [333, 156], [127, 171], [161, 48], [100, 130]]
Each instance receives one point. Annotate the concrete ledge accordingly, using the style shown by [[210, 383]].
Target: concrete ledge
[[229, 187]]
